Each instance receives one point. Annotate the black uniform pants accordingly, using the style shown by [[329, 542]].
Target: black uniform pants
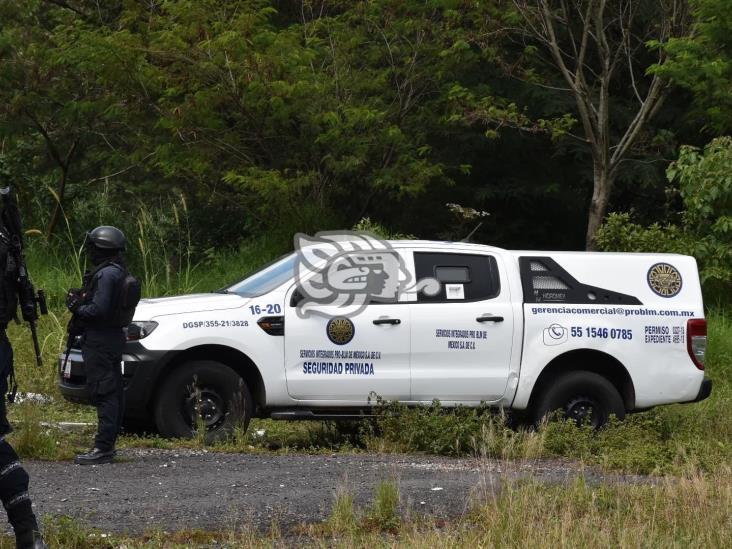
[[13, 478], [102, 353]]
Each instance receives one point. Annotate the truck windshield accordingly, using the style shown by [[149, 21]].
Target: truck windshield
[[266, 279]]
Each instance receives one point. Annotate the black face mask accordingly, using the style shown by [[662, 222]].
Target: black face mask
[[99, 255]]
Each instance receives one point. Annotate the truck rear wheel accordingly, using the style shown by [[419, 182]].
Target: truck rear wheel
[[202, 393], [583, 397]]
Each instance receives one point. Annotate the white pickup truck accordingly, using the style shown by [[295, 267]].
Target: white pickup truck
[[591, 334]]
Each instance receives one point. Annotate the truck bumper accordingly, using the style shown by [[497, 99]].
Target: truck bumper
[[139, 366], [705, 390]]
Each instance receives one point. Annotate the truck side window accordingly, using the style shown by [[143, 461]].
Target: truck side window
[[475, 277], [545, 281]]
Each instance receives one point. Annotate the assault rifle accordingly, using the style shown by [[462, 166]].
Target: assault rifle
[[30, 301]]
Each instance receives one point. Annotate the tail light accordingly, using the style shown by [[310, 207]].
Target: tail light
[[696, 340]]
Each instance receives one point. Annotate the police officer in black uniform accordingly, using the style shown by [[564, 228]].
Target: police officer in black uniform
[[13, 478], [95, 318]]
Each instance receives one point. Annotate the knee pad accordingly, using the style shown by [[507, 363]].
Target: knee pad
[[13, 481], [13, 478]]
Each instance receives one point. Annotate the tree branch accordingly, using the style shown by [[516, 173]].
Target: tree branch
[[120, 172], [64, 5], [650, 105], [53, 151], [575, 80]]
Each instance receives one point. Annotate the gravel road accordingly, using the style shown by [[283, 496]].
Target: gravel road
[[171, 490]]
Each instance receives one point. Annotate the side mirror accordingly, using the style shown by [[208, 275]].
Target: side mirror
[[296, 298]]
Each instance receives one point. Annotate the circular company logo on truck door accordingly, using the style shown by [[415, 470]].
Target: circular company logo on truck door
[[340, 330], [664, 279]]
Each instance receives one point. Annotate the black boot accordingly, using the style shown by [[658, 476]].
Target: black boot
[[30, 540], [95, 456]]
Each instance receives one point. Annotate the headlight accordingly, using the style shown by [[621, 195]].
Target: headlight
[[140, 329]]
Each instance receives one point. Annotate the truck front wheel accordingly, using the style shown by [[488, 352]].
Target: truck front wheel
[[202, 394], [583, 397]]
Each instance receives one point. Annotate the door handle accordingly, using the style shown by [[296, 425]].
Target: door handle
[[379, 321], [489, 318]]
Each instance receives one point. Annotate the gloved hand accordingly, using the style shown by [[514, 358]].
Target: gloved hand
[[73, 299], [73, 329]]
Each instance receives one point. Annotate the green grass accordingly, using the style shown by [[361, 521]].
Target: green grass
[[384, 511], [343, 518]]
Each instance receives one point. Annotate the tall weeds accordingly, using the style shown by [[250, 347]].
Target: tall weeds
[[165, 248]]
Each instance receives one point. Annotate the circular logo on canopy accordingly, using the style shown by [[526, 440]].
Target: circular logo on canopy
[[340, 330], [664, 279]]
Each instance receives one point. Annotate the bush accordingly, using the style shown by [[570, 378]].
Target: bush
[[704, 181]]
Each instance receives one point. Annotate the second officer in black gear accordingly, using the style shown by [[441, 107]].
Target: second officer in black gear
[[95, 309], [13, 478]]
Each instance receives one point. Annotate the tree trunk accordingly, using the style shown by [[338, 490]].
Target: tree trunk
[[603, 182], [64, 164]]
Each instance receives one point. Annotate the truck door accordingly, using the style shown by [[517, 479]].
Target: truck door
[[340, 358], [462, 336]]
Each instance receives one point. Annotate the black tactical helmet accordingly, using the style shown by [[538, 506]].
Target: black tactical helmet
[[107, 238]]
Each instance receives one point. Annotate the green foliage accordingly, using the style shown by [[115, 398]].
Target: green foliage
[[31, 438], [268, 118], [453, 432], [702, 62], [293, 120], [165, 247], [704, 179], [368, 225], [705, 185], [619, 233], [466, 221], [64, 531], [431, 429]]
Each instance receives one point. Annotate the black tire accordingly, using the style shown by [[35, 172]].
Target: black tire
[[137, 426], [580, 396], [212, 389]]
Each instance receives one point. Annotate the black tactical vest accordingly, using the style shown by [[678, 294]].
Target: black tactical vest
[[8, 282]]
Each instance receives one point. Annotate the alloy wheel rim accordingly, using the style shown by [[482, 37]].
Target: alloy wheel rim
[[207, 404], [582, 409]]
